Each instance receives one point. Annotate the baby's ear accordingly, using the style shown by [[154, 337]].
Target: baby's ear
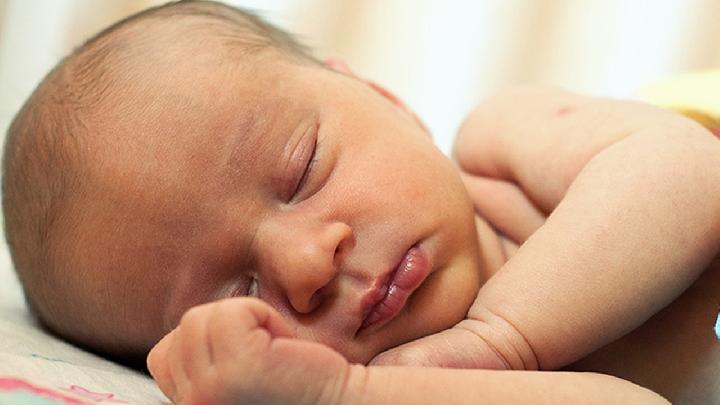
[[341, 66]]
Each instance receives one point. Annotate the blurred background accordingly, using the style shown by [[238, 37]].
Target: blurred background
[[439, 56]]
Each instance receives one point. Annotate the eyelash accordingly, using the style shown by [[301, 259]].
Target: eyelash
[[308, 169], [252, 288]]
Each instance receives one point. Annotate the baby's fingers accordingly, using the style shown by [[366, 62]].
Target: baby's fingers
[[244, 322], [158, 365], [223, 338], [182, 355]]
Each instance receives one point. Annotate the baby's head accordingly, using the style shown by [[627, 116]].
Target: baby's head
[[193, 152]]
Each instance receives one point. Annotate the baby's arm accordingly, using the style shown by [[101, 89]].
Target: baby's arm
[[630, 194], [240, 351]]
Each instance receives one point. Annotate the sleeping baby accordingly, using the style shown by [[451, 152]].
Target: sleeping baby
[[291, 230]]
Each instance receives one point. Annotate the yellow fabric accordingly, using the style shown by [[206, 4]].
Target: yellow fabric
[[694, 94]]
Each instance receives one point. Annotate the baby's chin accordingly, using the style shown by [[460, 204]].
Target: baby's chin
[[360, 354], [360, 350], [365, 353], [363, 350]]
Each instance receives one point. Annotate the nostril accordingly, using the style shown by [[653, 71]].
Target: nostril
[[316, 299], [342, 249], [338, 255]]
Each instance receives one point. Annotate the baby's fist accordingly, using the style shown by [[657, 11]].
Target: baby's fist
[[240, 350]]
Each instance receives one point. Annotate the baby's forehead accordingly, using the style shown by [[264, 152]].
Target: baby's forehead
[[189, 136], [178, 128]]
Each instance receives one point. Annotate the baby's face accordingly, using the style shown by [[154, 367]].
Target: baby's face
[[296, 184]]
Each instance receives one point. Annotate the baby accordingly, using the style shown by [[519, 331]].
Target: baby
[[191, 172]]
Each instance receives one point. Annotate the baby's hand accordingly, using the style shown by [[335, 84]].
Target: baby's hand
[[482, 341], [240, 350]]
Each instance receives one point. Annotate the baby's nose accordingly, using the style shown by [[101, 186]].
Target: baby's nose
[[301, 260]]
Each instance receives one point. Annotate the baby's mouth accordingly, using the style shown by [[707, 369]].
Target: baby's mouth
[[390, 294]]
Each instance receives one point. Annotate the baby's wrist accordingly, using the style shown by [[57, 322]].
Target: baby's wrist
[[503, 342], [352, 389]]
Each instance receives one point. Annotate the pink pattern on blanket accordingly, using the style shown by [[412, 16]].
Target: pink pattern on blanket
[[95, 396], [16, 384]]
